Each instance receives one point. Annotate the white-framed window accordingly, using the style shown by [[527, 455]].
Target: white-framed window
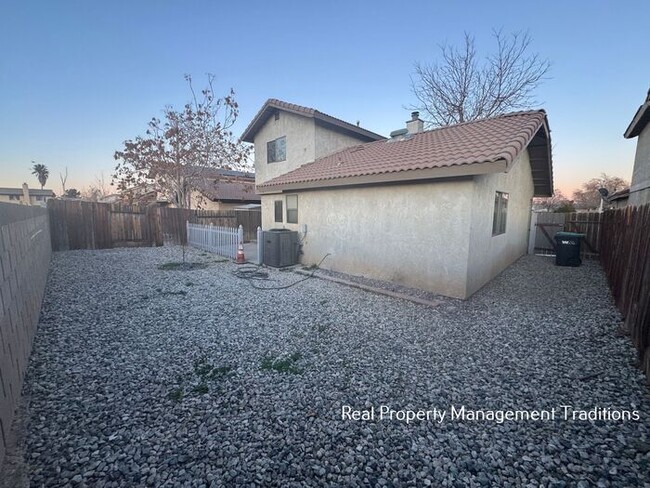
[[276, 150], [278, 210], [292, 209], [500, 213], [14, 197]]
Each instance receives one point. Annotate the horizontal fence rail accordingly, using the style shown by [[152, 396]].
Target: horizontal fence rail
[[213, 238]]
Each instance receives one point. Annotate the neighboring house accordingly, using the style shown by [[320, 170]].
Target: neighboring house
[[639, 127], [220, 189], [620, 199], [444, 210], [18, 195]]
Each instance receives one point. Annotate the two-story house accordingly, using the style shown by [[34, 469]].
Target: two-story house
[[443, 210]]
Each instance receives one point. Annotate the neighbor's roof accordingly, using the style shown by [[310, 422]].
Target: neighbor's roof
[[620, 195], [640, 120], [272, 105], [220, 185], [32, 192], [483, 146]]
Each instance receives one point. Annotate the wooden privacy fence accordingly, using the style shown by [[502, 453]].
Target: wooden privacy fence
[[79, 224], [625, 256], [547, 224], [76, 224]]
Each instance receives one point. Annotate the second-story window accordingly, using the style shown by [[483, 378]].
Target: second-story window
[[276, 150]]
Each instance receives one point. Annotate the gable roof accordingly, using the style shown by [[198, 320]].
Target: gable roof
[[272, 105], [483, 146], [640, 120]]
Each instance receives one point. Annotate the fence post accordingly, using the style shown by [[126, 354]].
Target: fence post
[[533, 233], [260, 246], [240, 234]]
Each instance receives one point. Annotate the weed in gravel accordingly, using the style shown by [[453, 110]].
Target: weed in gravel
[[200, 389], [283, 365], [176, 394], [206, 371], [322, 328], [189, 283]]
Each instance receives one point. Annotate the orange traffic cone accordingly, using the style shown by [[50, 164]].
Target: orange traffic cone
[[241, 259]]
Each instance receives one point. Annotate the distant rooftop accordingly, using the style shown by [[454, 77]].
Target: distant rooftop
[[32, 192]]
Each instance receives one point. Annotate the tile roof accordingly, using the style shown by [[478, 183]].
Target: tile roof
[[229, 188], [273, 104], [500, 139]]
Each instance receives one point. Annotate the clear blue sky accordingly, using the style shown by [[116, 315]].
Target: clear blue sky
[[77, 78]]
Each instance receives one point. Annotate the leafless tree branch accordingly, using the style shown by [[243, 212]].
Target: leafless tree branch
[[460, 87]]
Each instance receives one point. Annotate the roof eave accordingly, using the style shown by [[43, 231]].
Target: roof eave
[[640, 120], [263, 115], [407, 176]]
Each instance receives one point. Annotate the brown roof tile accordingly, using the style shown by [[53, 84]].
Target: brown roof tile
[[497, 139]]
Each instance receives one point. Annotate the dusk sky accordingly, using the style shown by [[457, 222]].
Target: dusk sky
[[77, 78]]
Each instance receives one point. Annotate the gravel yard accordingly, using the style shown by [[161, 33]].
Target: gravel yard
[[148, 377]]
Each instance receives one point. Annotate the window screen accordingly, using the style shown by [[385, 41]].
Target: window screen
[[276, 150], [292, 209], [278, 210], [500, 213]]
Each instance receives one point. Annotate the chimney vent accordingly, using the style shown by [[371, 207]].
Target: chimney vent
[[415, 125]]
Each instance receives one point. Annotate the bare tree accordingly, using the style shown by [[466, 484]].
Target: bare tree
[[461, 87], [63, 178], [184, 148], [588, 196], [552, 204], [97, 190]]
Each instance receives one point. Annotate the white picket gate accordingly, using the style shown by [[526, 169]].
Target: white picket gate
[[213, 238]]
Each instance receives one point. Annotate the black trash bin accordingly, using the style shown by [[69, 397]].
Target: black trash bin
[[568, 248]]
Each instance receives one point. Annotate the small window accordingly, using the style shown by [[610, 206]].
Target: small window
[[14, 197], [276, 150], [500, 213], [278, 210], [292, 209]]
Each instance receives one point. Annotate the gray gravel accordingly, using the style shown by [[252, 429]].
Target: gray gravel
[[148, 377]]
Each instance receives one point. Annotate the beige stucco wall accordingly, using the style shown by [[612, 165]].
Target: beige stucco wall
[[300, 134], [305, 141], [329, 141], [416, 234], [489, 255], [436, 236], [640, 187]]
